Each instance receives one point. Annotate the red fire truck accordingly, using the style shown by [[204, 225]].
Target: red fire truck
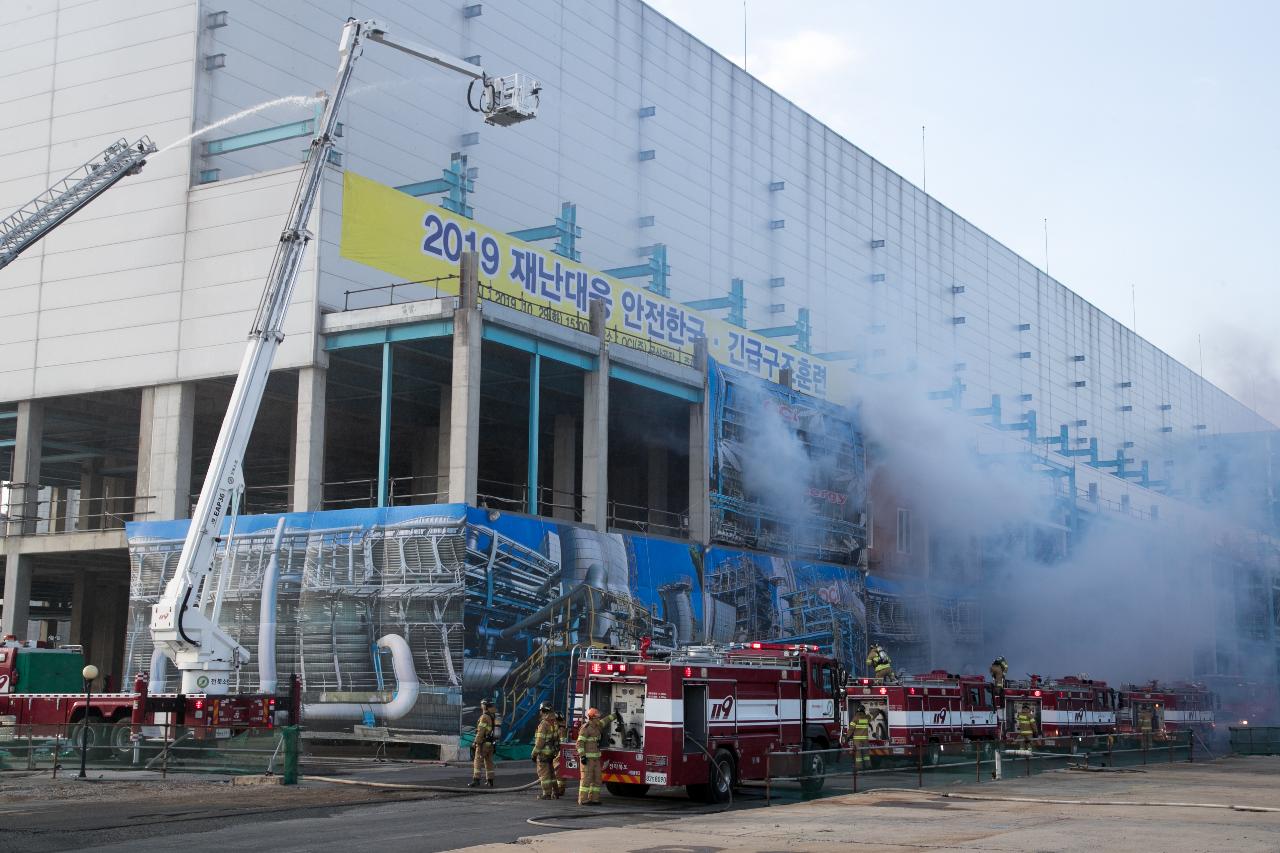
[[935, 707], [705, 717], [1063, 707], [41, 692], [1172, 707]]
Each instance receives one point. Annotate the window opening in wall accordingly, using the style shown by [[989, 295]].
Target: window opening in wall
[[904, 531]]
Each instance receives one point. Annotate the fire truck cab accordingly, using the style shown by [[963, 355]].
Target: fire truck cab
[[704, 717], [1062, 707], [1133, 699], [934, 707]]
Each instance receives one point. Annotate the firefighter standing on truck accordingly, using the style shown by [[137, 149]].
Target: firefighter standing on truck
[[1026, 726], [546, 744], [589, 734], [999, 672], [562, 732], [879, 664], [857, 734], [482, 762]]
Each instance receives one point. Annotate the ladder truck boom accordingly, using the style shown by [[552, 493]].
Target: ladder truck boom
[[184, 621], [55, 205]]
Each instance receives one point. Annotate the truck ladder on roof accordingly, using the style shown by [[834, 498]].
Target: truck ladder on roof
[[52, 207]]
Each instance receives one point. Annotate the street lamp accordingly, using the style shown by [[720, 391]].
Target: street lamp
[[89, 673]]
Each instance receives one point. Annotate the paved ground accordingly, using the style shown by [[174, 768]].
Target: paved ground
[[127, 812], [940, 819]]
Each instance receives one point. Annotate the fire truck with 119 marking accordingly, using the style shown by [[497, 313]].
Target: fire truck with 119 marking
[[706, 717]]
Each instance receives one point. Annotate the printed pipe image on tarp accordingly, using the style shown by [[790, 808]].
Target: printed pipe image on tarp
[[407, 616]]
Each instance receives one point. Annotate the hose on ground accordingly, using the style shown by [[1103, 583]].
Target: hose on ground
[[541, 820], [1061, 802], [444, 789]]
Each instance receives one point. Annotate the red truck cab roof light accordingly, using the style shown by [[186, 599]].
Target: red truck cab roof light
[[884, 691], [1035, 693], [595, 667], [912, 691], [688, 672]]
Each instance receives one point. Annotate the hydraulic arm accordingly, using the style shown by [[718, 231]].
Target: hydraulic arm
[[184, 622]]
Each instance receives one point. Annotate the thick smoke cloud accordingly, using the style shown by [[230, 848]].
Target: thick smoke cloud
[[1127, 598]]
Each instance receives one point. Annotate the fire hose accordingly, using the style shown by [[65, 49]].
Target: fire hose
[[444, 789], [1060, 802]]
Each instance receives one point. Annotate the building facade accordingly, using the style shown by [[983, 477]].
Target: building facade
[[686, 177]]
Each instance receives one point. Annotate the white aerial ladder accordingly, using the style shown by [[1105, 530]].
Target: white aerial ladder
[[55, 205], [184, 621]]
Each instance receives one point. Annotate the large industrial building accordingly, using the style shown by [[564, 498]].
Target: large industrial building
[[467, 459]]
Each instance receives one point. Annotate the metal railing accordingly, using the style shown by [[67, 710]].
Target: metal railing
[[816, 773], [70, 513], [426, 288], [259, 500], [402, 491], [643, 519], [117, 745]]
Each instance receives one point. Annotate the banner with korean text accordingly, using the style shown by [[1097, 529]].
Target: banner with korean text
[[418, 241]]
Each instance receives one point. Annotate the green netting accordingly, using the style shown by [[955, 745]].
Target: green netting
[[807, 775], [165, 749], [1255, 740]]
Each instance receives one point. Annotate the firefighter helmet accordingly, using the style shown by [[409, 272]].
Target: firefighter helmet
[[486, 703], [593, 713], [545, 708]]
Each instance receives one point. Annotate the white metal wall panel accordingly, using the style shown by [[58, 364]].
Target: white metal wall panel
[[719, 136]]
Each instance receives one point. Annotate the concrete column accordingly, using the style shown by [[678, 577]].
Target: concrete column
[[17, 593], [82, 609], [699, 461], [564, 465], [464, 408], [164, 450], [24, 503], [91, 485], [442, 444], [308, 442], [595, 430]]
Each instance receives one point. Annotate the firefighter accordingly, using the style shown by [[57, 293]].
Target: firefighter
[[562, 732], [999, 672], [857, 735], [1026, 726], [482, 762], [879, 664], [1144, 724], [589, 734], [546, 744]]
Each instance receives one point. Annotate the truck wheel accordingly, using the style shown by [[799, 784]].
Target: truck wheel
[[720, 785], [121, 742], [626, 789], [813, 768], [75, 738]]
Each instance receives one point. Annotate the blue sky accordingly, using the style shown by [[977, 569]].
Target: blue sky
[[1148, 133]]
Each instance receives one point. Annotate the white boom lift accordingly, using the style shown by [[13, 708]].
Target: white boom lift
[[51, 208], [184, 621]]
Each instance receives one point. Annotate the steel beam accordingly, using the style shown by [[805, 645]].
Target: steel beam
[[254, 138], [535, 380], [384, 428]]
